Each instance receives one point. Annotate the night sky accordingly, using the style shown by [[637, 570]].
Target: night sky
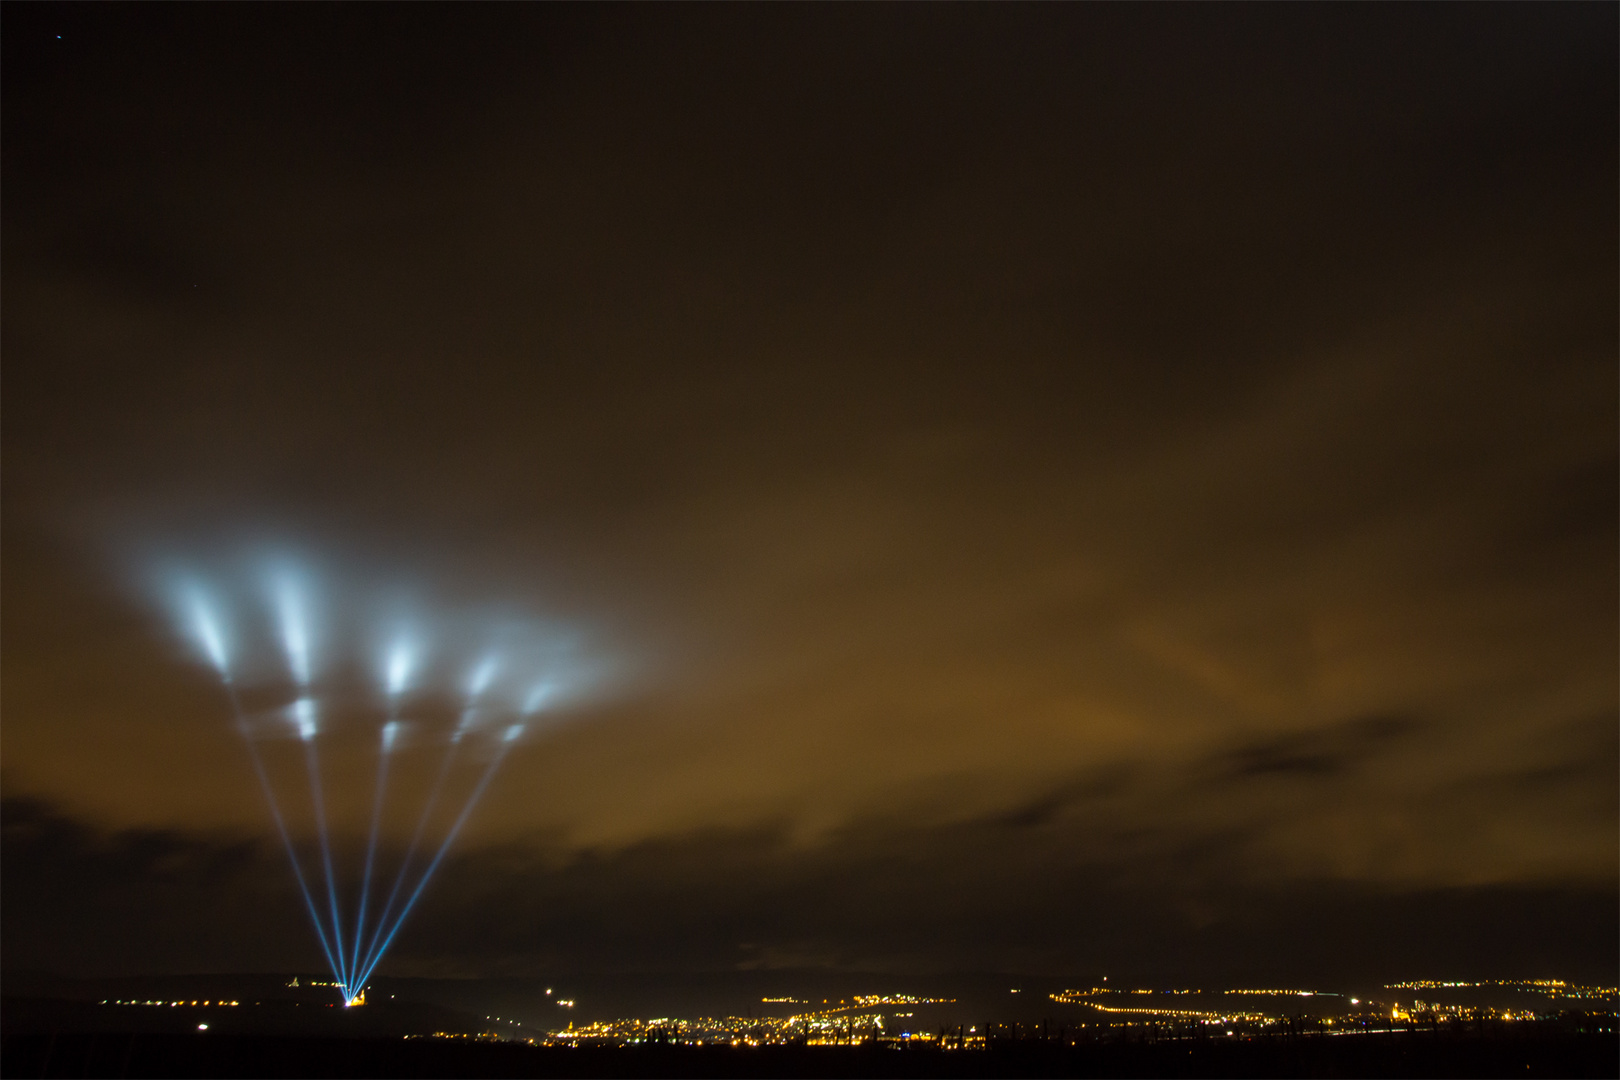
[[1058, 489]]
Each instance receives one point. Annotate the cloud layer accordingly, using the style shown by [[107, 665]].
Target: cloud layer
[[1049, 436]]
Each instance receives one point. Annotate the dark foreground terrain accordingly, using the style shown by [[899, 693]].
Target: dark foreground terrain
[[1399, 1054]]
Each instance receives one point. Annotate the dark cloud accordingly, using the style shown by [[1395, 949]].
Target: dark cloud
[[1325, 751], [91, 901], [1068, 797], [877, 900], [1060, 439]]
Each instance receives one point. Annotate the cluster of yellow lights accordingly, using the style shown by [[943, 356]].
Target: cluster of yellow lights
[[859, 1001], [1437, 984], [815, 1028], [1428, 1010], [1550, 987], [171, 1004], [1208, 1017], [823, 1028], [1160, 1012], [1420, 1006], [1077, 997], [1095, 990]]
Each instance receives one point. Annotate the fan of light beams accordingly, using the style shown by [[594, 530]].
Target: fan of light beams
[[497, 691]]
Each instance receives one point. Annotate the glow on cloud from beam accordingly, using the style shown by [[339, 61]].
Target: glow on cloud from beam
[[399, 668], [289, 597], [205, 625], [482, 676], [304, 718]]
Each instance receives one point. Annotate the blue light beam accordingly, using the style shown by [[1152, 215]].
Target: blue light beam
[[507, 739], [390, 732], [481, 677], [410, 851], [293, 613], [304, 712], [205, 625], [281, 825], [401, 658]]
